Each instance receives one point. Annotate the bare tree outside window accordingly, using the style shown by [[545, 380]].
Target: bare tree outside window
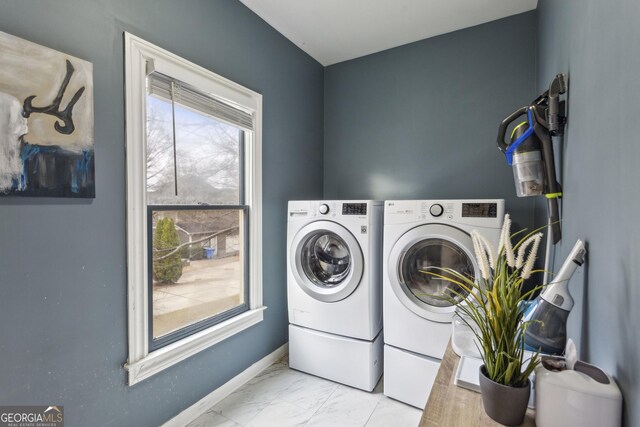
[[207, 154], [159, 148], [209, 240]]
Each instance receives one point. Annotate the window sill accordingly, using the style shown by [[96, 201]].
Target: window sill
[[168, 356]]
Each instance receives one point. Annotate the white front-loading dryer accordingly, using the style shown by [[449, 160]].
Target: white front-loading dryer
[[418, 236], [334, 290]]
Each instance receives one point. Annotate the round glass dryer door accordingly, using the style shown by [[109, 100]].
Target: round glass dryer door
[[420, 250], [423, 256], [326, 261]]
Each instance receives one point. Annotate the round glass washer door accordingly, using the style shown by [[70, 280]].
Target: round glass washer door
[[421, 249], [326, 261]]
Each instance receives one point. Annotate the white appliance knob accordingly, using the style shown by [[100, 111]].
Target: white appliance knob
[[324, 209], [436, 210]]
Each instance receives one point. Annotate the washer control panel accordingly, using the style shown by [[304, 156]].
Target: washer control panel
[[324, 209], [436, 210], [354, 209], [351, 210]]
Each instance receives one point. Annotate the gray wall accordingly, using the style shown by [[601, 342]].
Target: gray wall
[[63, 316], [420, 121], [596, 44]]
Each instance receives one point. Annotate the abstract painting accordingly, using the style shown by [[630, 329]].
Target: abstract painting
[[46, 122]]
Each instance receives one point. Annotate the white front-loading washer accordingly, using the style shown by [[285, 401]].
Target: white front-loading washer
[[419, 234], [334, 290]]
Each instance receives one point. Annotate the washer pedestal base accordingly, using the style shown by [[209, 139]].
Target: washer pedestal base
[[356, 363]]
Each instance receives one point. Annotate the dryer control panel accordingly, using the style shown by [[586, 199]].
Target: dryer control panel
[[479, 210], [479, 213]]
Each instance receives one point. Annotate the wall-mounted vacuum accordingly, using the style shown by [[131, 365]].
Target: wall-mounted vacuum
[[530, 152]]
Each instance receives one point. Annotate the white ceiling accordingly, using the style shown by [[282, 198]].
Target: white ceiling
[[333, 31]]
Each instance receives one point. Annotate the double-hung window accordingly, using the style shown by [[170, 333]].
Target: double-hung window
[[193, 208]]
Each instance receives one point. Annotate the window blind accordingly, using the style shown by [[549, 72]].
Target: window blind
[[160, 85]]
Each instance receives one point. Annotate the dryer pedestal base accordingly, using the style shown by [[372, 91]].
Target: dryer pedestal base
[[356, 363], [408, 377]]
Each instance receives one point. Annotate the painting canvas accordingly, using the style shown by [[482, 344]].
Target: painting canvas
[[46, 122]]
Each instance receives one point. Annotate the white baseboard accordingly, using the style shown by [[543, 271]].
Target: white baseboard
[[201, 406]]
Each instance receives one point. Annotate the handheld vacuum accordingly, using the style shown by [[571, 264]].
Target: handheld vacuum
[[530, 151], [549, 312]]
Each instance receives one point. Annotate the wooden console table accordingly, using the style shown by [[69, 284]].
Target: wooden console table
[[453, 406]]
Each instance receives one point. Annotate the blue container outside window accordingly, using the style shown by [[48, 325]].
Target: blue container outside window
[[208, 252]]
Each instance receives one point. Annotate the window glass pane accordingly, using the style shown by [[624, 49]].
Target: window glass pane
[[197, 269], [207, 151]]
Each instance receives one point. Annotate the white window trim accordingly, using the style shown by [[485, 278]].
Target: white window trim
[[141, 364]]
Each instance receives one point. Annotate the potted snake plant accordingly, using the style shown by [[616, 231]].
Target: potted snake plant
[[493, 311]]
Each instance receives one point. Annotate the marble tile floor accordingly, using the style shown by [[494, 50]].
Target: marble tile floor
[[282, 397]]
